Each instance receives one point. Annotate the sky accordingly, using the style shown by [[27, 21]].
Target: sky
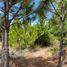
[[1, 6], [49, 15]]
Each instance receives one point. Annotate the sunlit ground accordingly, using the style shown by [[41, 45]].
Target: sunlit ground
[[38, 57]]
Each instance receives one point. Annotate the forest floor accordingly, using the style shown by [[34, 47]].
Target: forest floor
[[39, 57]]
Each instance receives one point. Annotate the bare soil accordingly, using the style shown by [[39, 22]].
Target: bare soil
[[39, 57]]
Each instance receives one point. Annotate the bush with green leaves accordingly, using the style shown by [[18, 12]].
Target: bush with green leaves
[[27, 35], [22, 35]]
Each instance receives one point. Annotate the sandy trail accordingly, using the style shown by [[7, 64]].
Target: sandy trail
[[40, 57]]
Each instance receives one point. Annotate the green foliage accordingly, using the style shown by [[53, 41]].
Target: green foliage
[[25, 35]]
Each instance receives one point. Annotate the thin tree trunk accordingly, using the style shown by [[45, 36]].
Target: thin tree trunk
[[5, 31], [61, 44], [5, 49]]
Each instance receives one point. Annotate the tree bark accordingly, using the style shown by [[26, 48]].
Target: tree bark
[[61, 44], [5, 31], [5, 48]]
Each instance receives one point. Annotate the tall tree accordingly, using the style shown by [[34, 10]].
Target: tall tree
[[5, 30], [10, 9], [59, 9], [63, 14]]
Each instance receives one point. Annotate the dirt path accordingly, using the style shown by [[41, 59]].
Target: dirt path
[[40, 58]]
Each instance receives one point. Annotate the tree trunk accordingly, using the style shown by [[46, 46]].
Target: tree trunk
[[5, 30], [61, 44], [5, 48]]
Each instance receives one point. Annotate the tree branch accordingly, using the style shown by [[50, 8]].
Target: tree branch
[[55, 10], [16, 13], [51, 11]]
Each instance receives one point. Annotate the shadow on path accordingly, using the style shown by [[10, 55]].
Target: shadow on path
[[32, 62]]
